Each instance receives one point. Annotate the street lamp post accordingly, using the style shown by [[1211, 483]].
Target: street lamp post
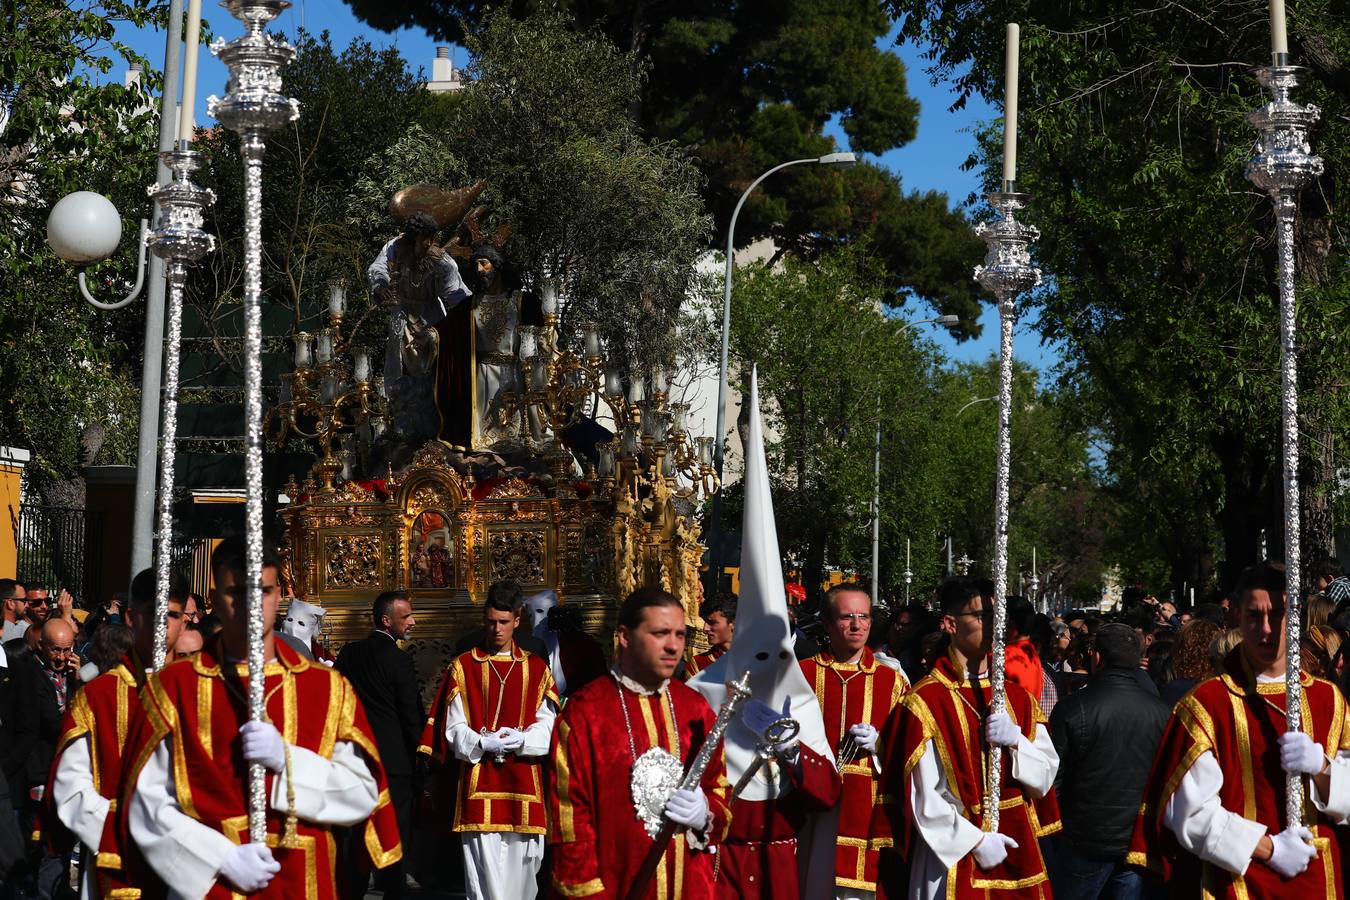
[[147, 453], [947, 321], [719, 442]]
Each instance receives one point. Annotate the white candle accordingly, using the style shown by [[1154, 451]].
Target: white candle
[[1033, 560], [192, 42], [1279, 38], [1010, 105], [906, 553]]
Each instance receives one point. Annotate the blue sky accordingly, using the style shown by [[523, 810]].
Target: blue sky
[[930, 162]]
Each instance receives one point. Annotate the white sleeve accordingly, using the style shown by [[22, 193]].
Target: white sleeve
[[184, 853], [466, 743], [377, 275], [947, 833], [79, 805], [538, 735], [337, 791], [1035, 763], [1337, 806], [1203, 827]]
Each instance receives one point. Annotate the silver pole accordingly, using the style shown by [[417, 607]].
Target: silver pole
[[179, 239], [1007, 272], [252, 107], [1283, 165], [147, 449], [876, 511]]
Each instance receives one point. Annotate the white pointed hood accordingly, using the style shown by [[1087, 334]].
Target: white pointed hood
[[763, 642]]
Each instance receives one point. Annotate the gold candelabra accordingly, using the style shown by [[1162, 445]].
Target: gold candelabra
[[329, 398]]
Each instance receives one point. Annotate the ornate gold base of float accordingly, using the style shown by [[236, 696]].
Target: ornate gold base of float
[[444, 538]]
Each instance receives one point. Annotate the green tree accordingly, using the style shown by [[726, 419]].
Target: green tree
[[744, 87], [70, 378], [1133, 146]]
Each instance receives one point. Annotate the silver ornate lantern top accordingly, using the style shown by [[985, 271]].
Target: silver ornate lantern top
[[253, 98]]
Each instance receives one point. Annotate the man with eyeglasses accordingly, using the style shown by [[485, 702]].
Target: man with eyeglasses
[[14, 600], [856, 695]]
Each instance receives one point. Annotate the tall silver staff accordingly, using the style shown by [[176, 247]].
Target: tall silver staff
[[1007, 272], [1283, 165], [252, 106], [178, 239]]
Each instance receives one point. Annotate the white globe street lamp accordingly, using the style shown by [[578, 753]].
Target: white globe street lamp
[[84, 227]]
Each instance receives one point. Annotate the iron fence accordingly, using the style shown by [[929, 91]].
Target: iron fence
[[62, 548]]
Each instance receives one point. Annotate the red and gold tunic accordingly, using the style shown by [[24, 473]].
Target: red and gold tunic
[[950, 712], [102, 711], [598, 842], [701, 662], [852, 694], [759, 856], [1240, 722], [200, 704], [498, 692]]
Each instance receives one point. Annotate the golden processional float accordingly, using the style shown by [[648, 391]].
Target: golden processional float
[[571, 474]]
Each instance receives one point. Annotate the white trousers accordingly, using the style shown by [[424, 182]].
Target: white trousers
[[501, 865]]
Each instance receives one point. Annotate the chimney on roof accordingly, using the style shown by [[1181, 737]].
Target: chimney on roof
[[133, 76], [442, 68]]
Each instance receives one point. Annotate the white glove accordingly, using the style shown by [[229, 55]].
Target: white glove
[[512, 739], [1299, 754], [491, 743], [263, 744], [1001, 730], [993, 849], [865, 736], [688, 808], [1292, 852], [250, 867]]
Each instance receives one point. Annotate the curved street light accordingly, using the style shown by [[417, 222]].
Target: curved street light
[[843, 160]]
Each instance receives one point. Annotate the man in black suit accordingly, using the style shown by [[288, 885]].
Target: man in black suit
[[18, 734], [386, 682]]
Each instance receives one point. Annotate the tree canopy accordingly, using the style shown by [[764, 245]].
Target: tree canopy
[[1133, 142], [743, 87]]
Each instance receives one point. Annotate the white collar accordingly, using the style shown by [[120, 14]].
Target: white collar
[[639, 689]]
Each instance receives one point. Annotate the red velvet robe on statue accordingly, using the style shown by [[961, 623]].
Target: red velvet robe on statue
[[759, 856], [1240, 722], [947, 710], [598, 843], [198, 704], [850, 694]]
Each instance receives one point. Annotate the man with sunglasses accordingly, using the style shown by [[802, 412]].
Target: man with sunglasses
[[39, 603]]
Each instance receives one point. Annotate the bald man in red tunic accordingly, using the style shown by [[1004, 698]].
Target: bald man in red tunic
[[1213, 816], [639, 719], [87, 770], [856, 695], [186, 806]]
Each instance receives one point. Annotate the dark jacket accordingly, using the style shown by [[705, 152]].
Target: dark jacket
[[1106, 735], [386, 682], [49, 715], [18, 725]]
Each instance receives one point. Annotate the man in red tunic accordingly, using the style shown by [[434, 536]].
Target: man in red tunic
[[186, 806], [1213, 818], [499, 721], [856, 695], [719, 624], [638, 718], [87, 769], [939, 742]]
